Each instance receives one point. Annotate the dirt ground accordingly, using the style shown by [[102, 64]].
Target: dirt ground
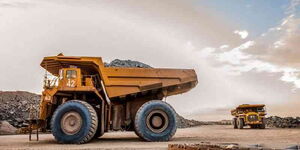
[[271, 138]]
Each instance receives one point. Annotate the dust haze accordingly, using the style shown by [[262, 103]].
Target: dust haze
[[170, 33]]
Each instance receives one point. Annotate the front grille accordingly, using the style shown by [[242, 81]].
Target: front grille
[[252, 118]]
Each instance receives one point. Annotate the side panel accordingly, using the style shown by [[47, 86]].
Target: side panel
[[124, 81]]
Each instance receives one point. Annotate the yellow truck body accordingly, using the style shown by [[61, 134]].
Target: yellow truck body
[[116, 94], [249, 114]]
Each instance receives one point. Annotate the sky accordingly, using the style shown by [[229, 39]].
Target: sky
[[243, 51]]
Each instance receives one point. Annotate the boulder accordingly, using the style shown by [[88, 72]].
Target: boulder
[[6, 128]]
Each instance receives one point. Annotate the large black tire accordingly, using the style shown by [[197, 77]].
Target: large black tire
[[234, 123], [253, 126], [83, 130], [155, 121], [240, 123], [263, 125]]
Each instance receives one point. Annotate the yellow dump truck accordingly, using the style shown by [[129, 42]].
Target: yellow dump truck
[[85, 99], [247, 114]]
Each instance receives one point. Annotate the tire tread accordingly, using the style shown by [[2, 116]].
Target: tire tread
[[94, 123]]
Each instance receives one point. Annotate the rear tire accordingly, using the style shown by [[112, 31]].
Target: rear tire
[[155, 121], [240, 123], [74, 122]]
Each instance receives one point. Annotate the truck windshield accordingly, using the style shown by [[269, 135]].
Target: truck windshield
[[71, 73], [261, 109]]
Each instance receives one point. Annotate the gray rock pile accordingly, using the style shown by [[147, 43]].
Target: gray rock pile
[[286, 122], [126, 64], [186, 123], [15, 106]]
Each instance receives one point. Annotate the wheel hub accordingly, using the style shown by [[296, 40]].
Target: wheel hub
[[157, 121], [71, 123]]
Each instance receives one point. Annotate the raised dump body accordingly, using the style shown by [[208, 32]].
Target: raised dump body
[[86, 99]]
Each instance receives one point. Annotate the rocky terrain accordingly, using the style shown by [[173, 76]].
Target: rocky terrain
[[287, 122], [15, 106], [186, 123]]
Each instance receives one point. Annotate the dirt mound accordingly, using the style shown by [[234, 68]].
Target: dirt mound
[[15, 106], [6, 128], [286, 122]]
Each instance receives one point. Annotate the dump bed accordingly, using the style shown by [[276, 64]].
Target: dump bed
[[123, 81], [120, 82]]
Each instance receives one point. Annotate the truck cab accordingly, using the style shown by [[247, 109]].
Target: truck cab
[[70, 77]]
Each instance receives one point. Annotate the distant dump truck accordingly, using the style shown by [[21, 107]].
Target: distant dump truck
[[252, 115], [85, 99]]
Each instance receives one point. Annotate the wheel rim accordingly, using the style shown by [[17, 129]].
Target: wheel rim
[[71, 123], [157, 121]]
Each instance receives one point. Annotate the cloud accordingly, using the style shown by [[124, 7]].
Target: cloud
[[235, 56], [16, 3], [293, 6], [224, 46], [280, 47], [276, 51], [243, 33]]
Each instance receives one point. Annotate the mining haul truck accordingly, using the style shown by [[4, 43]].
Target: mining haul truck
[[85, 99], [252, 115]]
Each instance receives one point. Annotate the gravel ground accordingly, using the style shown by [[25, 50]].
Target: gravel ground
[[271, 137]]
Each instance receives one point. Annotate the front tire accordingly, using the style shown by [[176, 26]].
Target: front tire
[[240, 123], [155, 121], [74, 122]]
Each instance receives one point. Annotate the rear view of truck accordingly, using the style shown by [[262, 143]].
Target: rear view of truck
[[85, 99]]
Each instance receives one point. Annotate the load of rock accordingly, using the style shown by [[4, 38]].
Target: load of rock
[[286, 122], [126, 64], [15, 106]]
